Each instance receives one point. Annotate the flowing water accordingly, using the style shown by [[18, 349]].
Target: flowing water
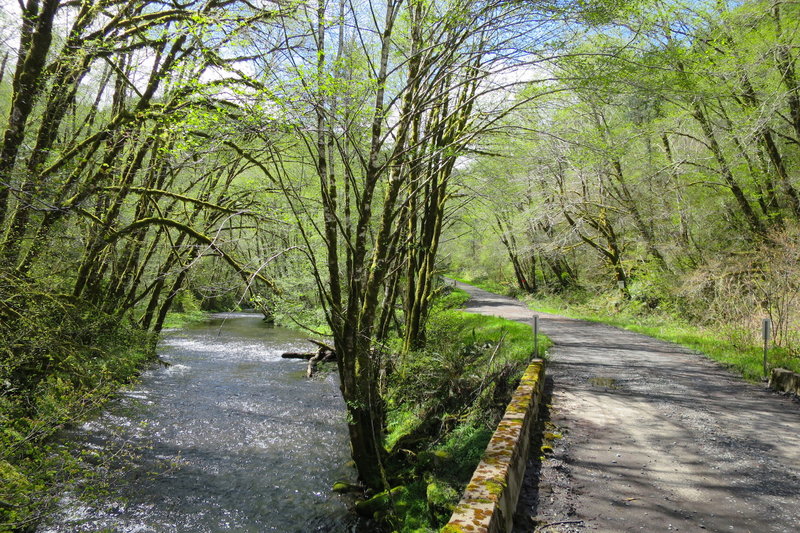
[[229, 437]]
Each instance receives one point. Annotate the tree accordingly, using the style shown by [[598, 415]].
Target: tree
[[383, 152]]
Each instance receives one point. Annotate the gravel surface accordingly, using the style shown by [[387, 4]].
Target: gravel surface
[[654, 437]]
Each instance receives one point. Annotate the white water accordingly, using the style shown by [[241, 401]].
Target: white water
[[230, 437]]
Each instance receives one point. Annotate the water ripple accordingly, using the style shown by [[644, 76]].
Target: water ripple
[[226, 438]]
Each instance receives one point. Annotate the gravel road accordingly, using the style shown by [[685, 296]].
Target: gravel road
[[655, 437]]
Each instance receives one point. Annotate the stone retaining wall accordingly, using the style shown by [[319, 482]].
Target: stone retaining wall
[[490, 498], [783, 380]]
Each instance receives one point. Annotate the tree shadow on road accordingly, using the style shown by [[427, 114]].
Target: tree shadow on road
[[546, 476]]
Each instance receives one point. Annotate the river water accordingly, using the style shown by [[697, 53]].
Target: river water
[[229, 437]]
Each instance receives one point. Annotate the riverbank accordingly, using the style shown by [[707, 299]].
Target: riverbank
[[64, 365], [76, 380]]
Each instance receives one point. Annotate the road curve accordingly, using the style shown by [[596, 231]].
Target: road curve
[[656, 437]]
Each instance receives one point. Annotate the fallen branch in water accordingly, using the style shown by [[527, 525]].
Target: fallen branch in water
[[299, 355], [324, 354]]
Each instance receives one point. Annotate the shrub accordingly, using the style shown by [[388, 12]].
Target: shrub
[[443, 405]]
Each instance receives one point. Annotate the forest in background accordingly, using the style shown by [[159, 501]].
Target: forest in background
[[310, 159], [657, 173]]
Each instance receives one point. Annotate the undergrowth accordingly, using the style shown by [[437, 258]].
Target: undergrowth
[[443, 404], [60, 359]]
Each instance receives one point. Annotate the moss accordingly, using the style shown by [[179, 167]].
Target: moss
[[495, 488], [343, 487], [442, 498], [382, 502]]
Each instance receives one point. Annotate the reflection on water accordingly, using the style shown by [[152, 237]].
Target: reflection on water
[[227, 438]]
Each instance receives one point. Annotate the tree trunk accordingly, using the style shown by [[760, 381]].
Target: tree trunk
[[34, 47], [746, 209]]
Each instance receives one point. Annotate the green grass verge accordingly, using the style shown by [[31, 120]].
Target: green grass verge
[[444, 403], [462, 328], [451, 299]]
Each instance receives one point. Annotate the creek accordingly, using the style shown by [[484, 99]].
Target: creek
[[228, 437]]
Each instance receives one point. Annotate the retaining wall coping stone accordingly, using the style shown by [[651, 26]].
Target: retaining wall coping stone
[[783, 380], [488, 503]]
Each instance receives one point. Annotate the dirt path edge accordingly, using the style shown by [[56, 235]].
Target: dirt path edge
[[655, 437]]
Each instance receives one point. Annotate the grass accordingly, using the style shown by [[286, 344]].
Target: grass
[[450, 299], [444, 403], [468, 329], [732, 347]]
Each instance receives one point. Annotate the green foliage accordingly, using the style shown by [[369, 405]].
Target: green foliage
[[659, 158], [186, 309], [604, 12], [186, 302], [179, 320], [62, 359], [443, 405], [297, 305], [461, 451]]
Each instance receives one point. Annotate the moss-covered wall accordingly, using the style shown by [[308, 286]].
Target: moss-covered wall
[[491, 496], [783, 380]]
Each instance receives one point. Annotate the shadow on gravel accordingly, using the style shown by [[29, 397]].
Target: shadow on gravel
[[629, 347], [528, 503]]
